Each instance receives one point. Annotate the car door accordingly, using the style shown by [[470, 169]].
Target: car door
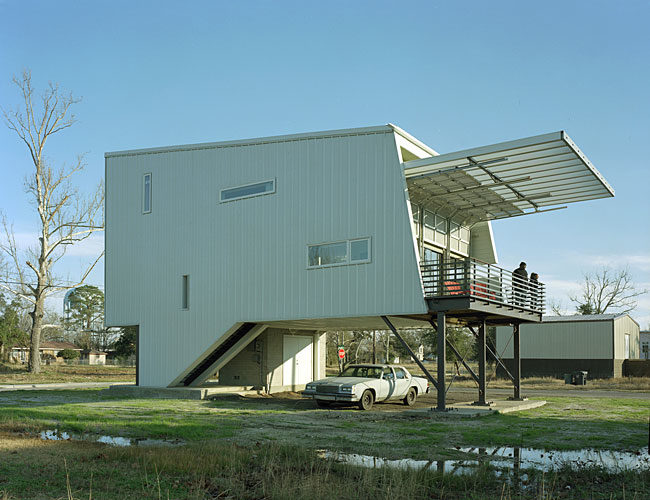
[[402, 382], [386, 384]]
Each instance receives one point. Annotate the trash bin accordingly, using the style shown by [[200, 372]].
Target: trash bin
[[568, 379], [579, 378]]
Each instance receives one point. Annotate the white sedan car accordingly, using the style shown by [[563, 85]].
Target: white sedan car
[[367, 384]]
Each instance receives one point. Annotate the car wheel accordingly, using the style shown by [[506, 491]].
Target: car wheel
[[411, 396], [323, 404], [367, 399]]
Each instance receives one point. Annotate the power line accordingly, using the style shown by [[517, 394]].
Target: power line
[[33, 285]]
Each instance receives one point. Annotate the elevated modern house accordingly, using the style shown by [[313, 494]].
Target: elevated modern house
[[236, 256]]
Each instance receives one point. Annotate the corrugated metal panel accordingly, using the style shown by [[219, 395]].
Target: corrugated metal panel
[[583, 340], [584, 317], [507, 179], [481, 244], [247, 259], [626, 325]]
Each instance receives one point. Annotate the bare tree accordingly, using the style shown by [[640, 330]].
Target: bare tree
[[556, 306], [607, 290], [65, 217]]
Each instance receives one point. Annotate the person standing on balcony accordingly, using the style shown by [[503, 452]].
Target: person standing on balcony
[[534, 291], [520, 284]]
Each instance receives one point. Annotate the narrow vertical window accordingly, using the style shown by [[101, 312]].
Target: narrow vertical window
[[146, 194], [185, 301]]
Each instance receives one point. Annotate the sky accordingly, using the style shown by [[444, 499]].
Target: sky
[[453, 74]]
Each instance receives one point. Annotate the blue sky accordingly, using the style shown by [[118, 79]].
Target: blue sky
[[455, 75]]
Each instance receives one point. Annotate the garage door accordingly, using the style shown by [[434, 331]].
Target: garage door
[[297, 366]]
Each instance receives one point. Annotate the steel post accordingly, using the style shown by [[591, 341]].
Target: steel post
[[442, 337], [517, 361], [481, 363]]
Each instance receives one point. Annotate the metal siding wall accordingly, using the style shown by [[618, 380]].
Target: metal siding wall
[[623, 325], [247, 259], [571, 340], [481, 244]]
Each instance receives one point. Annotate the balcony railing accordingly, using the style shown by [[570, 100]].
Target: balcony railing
[[476, 279]]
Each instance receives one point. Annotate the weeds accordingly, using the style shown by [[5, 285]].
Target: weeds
[[227, 470], [60, 373]]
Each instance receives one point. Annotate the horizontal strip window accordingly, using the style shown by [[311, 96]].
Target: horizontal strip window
[[247, 191], [339, 253]]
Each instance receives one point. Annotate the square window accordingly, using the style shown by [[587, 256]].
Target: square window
[[359, 250]]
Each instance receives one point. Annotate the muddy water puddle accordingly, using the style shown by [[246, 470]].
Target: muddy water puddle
[[508, 459], [55, 435]]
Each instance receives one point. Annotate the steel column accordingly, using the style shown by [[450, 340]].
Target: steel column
[[481, 363], [493, 353], [457, 354], [442, 337], [517, 361]]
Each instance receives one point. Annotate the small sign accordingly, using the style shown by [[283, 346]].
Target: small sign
[[341, 353]]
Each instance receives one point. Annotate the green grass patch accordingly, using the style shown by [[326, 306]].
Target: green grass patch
[[564, 423]]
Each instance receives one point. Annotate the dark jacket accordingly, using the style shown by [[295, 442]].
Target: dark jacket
[[520, 273]]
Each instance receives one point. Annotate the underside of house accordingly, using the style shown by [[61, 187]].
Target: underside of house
[[234, 258]]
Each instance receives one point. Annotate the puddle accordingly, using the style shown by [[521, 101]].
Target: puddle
[[55, 435], [507, 459], [611, 461]]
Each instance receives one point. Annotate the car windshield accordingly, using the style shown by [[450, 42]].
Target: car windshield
[[362, 371]]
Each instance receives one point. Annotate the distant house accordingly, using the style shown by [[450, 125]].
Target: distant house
[[48, 347], [93, 357], [598, 344], [644, 340]]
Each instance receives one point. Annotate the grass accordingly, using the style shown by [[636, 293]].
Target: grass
[[241, 447], [60, 373], [34, 469], [564, 423]]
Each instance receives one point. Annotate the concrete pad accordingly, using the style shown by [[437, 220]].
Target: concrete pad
[[469, 409], [56, 386], [136, 391]]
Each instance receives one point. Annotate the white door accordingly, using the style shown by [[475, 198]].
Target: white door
[[627, 346], [297, 366]]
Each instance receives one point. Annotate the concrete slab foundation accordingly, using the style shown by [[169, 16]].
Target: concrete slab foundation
[[136, 391], [468, 409]]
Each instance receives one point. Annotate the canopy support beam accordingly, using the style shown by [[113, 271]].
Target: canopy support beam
[[410, 351]]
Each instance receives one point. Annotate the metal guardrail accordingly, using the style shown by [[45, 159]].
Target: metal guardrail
[[473, 278]]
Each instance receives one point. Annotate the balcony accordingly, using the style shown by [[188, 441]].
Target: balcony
[[468, 286]]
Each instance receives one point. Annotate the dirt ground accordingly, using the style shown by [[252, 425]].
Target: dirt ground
[[294, 401]]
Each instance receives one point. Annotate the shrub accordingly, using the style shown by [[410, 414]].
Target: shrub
[[69, 354]]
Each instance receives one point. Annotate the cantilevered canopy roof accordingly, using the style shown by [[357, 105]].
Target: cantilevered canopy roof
[[508, 179]]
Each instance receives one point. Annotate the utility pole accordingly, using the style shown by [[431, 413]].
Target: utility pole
[[374, 347], [338, 344]]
